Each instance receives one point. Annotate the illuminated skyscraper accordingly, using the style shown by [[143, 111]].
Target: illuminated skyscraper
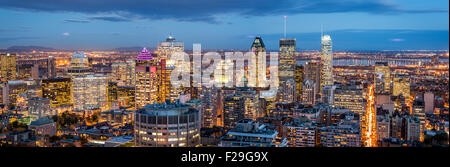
[[90, 92], [211, 115], [168, 47], [309, 92], [401, 85], [312, 72], [79, 65], [429, 102], [51, 67], [146, 79], [287, 60], [233, 110], [299, 78], [382, 78], [58, 91], [11, 90], [165, 51], [326, 62], [119, 73], [259, 49], [131, 74], [123, 73], [286, 69], [8, 67]]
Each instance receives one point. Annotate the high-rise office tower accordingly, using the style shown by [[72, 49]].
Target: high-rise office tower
[[111, 95], [328, 94], [169, 47], [58, 90], [286, 91], [418, 110], [259, 49], [210, 98], [382, 78], [131, 74], [119, 73], [299, 78], [146, 79], [165, 51], [90, 92], [11, 90], [401, 85], [428, 97], [309, 92], [312, 72], [326, 62], [233, 110], [286, 69], [286, 66], [51, 67], [8, 67], [79, 65]]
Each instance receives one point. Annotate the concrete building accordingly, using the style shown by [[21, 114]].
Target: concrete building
[[251, 134], [43, 127], [167, 125], [340, 136]]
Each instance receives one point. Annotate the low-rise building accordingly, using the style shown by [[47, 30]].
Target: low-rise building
[[247, 133]]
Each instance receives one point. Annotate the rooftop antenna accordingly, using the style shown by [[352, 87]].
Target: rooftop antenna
[[285, 27]]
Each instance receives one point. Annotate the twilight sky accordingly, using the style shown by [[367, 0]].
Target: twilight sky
[[225, 24]]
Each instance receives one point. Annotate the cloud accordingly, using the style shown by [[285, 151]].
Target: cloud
[[66, 34], [110, 18], [76, 21], [397, 39], [206, 10]]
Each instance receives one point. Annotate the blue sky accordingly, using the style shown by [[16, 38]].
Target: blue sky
[[225, 24]]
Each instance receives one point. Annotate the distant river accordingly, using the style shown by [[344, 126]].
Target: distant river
[[367, 62]]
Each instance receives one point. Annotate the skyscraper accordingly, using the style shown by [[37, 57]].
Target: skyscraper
[[312, 72], [382, 78], [165, 50], [287, 60], [259, 49], [401, 85], [79, 65], [299, 78], [11, 90], [51, 67], [233, 110], [429, 102], [146, 79], [58, 90], [90, 92], [286, 69], [326, 62], [309, 92], [8, 67], [168, 47]]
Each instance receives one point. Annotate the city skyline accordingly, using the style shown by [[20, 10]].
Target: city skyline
[[353, 25]]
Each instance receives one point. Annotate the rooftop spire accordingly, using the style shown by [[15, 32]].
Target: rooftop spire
[[144, 55]]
